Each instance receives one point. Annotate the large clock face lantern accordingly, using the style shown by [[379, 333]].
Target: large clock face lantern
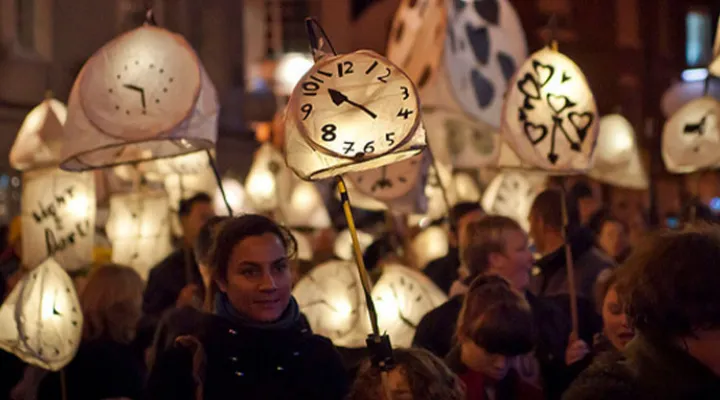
[[142, 96], [352, 112], [691, 137], [550, 117]]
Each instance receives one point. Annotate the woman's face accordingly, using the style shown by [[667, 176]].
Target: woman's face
[[613, 239], [615, 326], [259, 278], [397, 385], [494, 366]]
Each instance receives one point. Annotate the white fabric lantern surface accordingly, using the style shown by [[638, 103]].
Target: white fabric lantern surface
[[58, 217], [416, 38], [268, 182], [714, 67], [550, 117], [468, 143], [332, 299], [41, 319], [691, 137], [466, 188], [304, 246], [510, 194], [306, 207], [138, 229], [343, 247], [236, 197], [39, 141], [617, 157], [430, 244], [352, 112], [485, 45], [142, 96]]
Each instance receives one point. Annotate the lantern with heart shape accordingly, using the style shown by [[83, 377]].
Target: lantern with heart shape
[[617, 157], [41, 320], [550, 117], [416, 38], [268, 182], [142, 96], [138, 229], [511, 194], [691, 137], [349, 113]]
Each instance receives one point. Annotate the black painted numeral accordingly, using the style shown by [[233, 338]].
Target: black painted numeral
[[405, 92], [310, 88], [369, 147], [405, 113], [307, 109], [390, 138], [328, 74], [349, 147], [345, 67], [383, 78], [329, 132], [372, 67]]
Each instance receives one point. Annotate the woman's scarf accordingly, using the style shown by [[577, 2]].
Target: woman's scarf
[[289, 317]]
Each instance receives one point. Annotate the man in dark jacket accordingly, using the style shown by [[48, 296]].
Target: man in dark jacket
[[670, 287]]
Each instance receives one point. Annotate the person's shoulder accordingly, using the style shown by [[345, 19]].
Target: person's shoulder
[[167, 264], [608, 377]]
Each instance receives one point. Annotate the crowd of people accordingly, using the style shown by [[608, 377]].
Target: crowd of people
[[216, 319]]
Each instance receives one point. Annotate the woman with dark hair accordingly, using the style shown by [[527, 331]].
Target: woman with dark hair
[[611, 235], [256, 346]]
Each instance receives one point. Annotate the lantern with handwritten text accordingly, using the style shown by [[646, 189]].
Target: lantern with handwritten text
[[617, 157], [691, 137], [41, 320]]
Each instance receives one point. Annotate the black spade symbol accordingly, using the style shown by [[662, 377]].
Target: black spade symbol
[[552, 157], [581, 122], [507, 65], [484, 90], [489, 10], [558, 103], [535, 133], [565, 77], [424, 77], [544, 72], [479, 42]]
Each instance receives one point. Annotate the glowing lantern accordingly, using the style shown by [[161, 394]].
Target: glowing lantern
[[467, 143], [343, 244], [550, 116], [430, 244], [142, 96], [466, 188], [235, 196], [617, 157], [691, 137], [349, 113], [331, 298], [306, 207], [714, 67], [304, 246], [39, 139], [290, 70], [139, 230], [41, 320], [510, 194], [269, 180]]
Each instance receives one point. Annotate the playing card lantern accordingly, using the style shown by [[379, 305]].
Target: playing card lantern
[[144, 95], [343, 248], [139, 230], [39, 140], [468, 143], [41, 320], [351, 112], [332, 299], [510, 194], [550, 117], [617, 157], [691, 137], [430, 244], [306, 207], [268, 182]]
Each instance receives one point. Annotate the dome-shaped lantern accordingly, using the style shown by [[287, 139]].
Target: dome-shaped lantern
[[39, 141], [691, 137], [510, 194], [617, 157]]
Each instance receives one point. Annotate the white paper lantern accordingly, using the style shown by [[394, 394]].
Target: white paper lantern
[[139, 230], [343, 247], [351, 113], [304, 246], [41, 320], [332, 299], [416, 38], [691, 137], [290, 70], [235, 194], [142, 96], [306, 207], [466, 188], [510, 194], [439, 191], [402, 297], [269, 179], [484, 47], [550, 117], [468, 143], [58, 217], [714, 67], [39, 141], [617, 157], [430, 244]]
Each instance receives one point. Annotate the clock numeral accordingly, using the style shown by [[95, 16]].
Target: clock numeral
[[348, 149], [329, 132], [328, 74], [344, 67], [307, 109], [316, 79], [405, 113], [405, 92], [369, 147], [383, 78], [372, 67], [390, 138], [310, 88]]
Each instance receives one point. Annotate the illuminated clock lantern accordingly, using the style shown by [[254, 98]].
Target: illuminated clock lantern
[[691, 137], [550, 117], [617, 157], [349, 113], [142, 96], [41, 319], [510, 194], [468, 143]]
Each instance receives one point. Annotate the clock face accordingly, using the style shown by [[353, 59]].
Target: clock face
[[356, 105], [390, 181], [692, 135], [141, 84], [510, 194]]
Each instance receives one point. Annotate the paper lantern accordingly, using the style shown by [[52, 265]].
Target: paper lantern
[[510, 194], [235, 195], [402, 297], [290, 69], [416, 38], [468, 143], [332, 299], [58, 217], [617, 157], [430, 244], [691, 137], [306, 207], [349, 113], [343, 247], [485, 44], [439, 190], [466, 188], [41, 320], [304, 246], [142, 96], [139, 230], [39, 140], [268, 181], [681, 93], [550, 117], [714, 67]]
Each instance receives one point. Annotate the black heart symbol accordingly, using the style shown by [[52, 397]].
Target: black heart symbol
[[489, 10], [483, 88], [479, 43], [507, 65], [544, 72], [581, 122], [558, 103], [535, 133], [529, 87]]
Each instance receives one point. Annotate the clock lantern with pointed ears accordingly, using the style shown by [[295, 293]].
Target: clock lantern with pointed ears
[[691, 137]]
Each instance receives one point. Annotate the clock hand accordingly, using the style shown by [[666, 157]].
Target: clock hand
[[137, 89], [383, 182], [339, 98], [54, 309]]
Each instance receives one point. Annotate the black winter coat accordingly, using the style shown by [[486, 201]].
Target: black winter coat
[[249, 363]]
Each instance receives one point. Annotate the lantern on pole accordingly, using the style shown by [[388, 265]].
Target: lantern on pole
[[39, 139], [268, 182], [510, 194], [235, 195], [430, 244], [41, 320], [714, 67], [617, 157], [691, 137], [306, 207]]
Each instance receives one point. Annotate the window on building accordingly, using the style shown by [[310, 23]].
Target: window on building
[[698, 38]]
